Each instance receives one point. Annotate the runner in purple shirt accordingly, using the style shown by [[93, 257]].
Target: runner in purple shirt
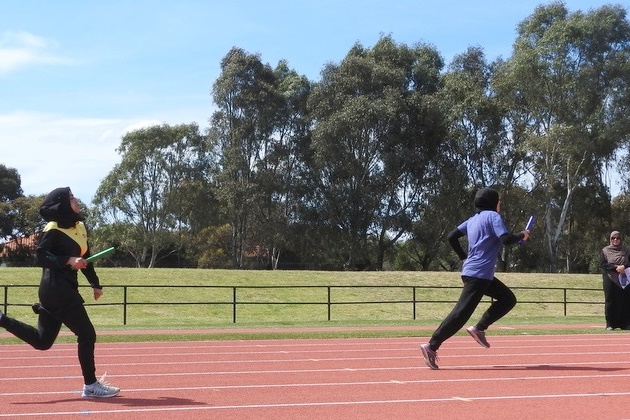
[[486, 233]]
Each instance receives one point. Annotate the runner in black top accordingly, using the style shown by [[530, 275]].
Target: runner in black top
[[60, 252]]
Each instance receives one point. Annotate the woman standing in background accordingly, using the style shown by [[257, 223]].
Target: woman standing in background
[[614, 259]]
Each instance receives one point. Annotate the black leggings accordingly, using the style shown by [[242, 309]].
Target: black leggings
[[472, 292], [48, 326]]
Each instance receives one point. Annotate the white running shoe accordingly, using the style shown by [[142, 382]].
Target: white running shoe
[[100, 389]]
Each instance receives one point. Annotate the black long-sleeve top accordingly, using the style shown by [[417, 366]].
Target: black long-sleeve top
[[56, 246]]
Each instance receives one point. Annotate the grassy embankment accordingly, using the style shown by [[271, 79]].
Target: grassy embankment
[[157, 308]]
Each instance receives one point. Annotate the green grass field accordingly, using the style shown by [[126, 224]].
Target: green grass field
[[154, 304]]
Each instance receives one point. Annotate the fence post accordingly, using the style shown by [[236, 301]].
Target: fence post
[[414, 302], [329, 303], [565, 301], [124, 305], [234, 304]]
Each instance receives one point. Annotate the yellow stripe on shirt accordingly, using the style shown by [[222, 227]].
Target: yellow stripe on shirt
[[78, 234]]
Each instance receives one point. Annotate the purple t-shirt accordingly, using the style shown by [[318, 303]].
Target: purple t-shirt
[[484, 231]]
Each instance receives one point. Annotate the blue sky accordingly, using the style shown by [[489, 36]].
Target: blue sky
[[76, 75]]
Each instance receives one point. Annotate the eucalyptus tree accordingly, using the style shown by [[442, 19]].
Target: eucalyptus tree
[[276, 172], [376, 131], [25, 214], [10, 183], [242, 135], [485, 134], [474, 118], [281, 175], [25, 224], [569, 71], [620, 220], [10, 189], [143, 194]]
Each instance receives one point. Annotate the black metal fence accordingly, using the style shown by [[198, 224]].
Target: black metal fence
[[237, 297]]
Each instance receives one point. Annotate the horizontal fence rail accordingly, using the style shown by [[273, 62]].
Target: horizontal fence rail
[[238, 297]]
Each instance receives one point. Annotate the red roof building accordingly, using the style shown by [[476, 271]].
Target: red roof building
[[14, 245]]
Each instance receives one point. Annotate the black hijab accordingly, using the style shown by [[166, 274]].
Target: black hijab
[[486, 199], [56, 208]]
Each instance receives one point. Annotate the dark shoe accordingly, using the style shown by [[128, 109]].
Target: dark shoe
[[430, 357], [479, 336], [39, 309]]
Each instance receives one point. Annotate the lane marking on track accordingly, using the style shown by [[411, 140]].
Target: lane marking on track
[[563, 378], [405, 353], [332, 342], [313, 404], [587, 365]]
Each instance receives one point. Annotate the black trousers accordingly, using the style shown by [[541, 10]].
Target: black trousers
[[43, 337], [473, 291], [616, 305]]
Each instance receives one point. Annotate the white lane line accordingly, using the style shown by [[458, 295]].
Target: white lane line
[[311, 404], [587, 364], [563, 378]]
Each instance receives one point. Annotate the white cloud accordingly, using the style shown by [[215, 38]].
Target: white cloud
[[138, 125], [22, 38], [50, 151], [21, 49]]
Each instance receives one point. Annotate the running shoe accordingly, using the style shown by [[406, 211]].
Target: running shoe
[[479, 336], [430, 356], [100, 389]]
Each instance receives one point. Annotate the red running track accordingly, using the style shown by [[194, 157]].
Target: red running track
[[519, 377]]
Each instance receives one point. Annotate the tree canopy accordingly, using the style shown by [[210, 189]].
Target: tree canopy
[[371, 166]]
